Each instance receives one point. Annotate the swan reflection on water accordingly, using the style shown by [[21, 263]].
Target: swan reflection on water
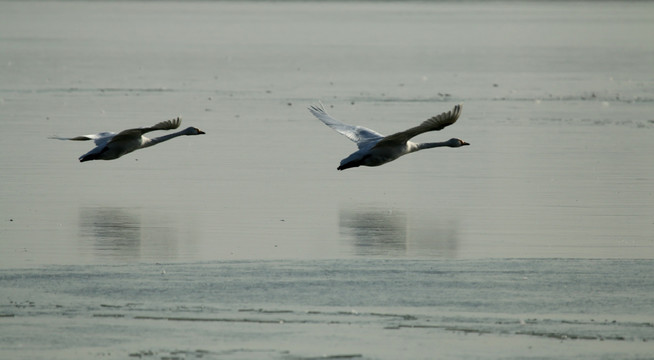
[[375, 231], [114, 231], [120, 233]]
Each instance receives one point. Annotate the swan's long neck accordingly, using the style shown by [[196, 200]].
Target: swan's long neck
[[420, 146], [160, 139]]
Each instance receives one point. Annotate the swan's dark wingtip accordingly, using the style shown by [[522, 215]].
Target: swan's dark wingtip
[[319, 108], [316, 109], [456, 112]]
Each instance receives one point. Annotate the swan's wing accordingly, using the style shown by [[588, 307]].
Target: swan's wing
[[359, 134], [435, 123], [103, 138], [133, 134], [99, 139], [164, 125]]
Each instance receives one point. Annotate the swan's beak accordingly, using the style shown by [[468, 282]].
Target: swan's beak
[[200, 132], [463, 143]]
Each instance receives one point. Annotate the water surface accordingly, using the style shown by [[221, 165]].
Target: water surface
[[557, 106], [538, 233]]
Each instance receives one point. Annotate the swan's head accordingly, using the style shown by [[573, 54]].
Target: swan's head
[[454, 142], [193, 131]]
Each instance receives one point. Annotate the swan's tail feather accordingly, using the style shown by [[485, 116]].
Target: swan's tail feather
[[89, 157], [350, 164], [95, 155]]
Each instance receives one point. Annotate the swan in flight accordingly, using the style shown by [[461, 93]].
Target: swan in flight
[[376, 149], [111, 146]]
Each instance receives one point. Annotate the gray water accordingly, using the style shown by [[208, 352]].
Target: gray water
[[535, 241]]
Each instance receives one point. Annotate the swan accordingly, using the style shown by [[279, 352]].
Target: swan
[[376, 149], [111, 146]]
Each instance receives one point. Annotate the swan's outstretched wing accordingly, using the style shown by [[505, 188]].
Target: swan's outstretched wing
[[435, 123], [164, 125], [104, 138], [360, 135], [135, 134], [99, 139]]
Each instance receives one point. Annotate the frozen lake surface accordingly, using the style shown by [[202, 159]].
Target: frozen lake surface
[[535, 241], [293, 309]]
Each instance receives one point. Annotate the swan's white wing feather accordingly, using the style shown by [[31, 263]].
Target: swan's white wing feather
[[360, 135], [99, 139], [103, 138]]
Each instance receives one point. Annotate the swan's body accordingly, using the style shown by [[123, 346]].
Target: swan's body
[[376, 149], [111, 146]]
